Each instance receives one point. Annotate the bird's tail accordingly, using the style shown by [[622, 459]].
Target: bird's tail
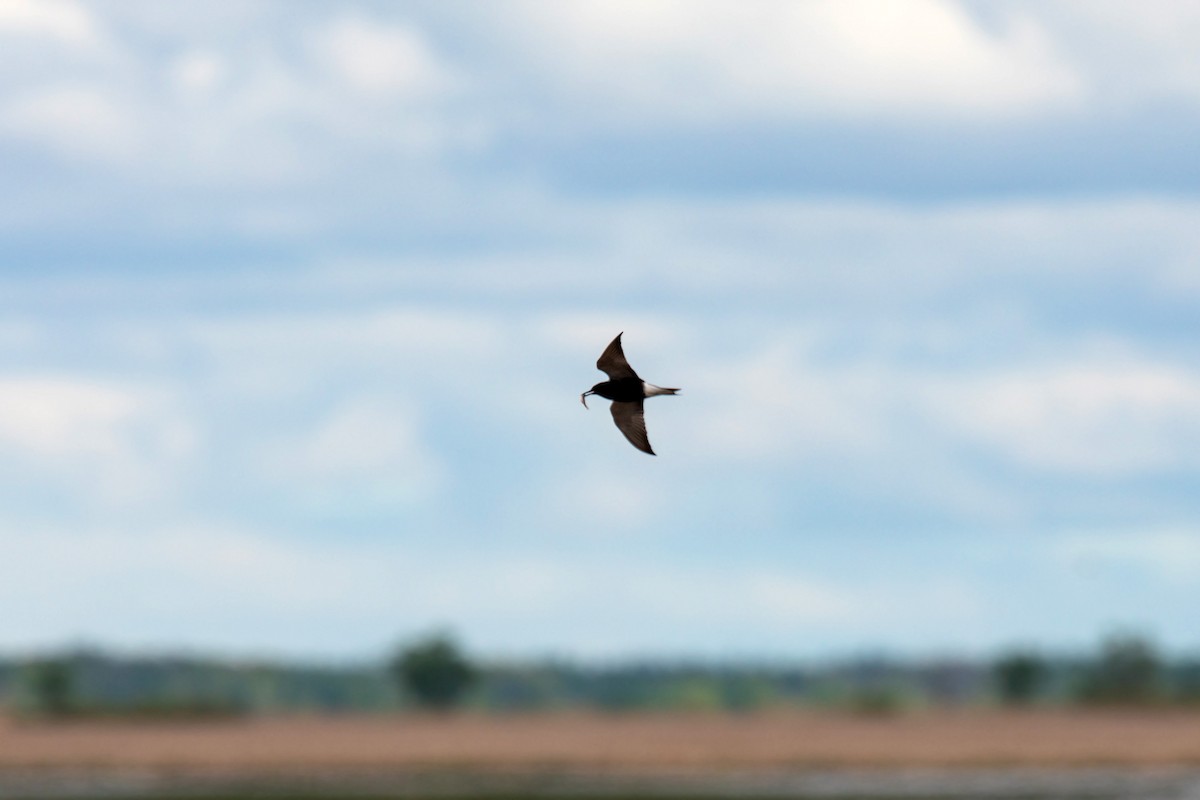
[[652, 390]]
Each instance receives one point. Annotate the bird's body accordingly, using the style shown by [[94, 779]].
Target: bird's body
[[628, 392]]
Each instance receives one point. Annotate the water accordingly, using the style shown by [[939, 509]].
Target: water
[[883, 784]]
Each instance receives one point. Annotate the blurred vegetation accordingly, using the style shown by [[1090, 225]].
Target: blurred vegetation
[[1128, 671], [1020, 677], [90, 683], [51, 686], [434, 673]]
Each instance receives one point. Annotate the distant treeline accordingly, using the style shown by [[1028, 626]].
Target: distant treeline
[[435, 673]]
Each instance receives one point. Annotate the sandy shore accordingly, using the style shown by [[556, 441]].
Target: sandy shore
[[969, 739]]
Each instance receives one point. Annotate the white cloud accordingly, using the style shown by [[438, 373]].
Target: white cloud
[[883, 256], [82, 121], [360, 439], [342, 124], [56, 417], [298, 348], [62, 20], [367, 452], [239, 102], [783, 405], [589, 332], [1098, 408], [1115, 418], [122, 443], [612, 504], [1136, 56], [891, 354], [269, 110], [704, 60], [373, 56], [199, 71]]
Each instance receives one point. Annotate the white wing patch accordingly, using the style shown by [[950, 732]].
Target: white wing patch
[[651, 390]]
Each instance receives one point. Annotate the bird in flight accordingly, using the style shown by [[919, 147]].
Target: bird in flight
[[627, 391]]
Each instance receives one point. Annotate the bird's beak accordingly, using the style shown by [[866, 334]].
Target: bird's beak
[[583, 398]]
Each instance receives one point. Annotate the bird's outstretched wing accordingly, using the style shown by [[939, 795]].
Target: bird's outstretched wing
[[632, 422], [612, 361]]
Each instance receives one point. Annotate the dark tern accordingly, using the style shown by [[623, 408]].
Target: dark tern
[[627, 391]]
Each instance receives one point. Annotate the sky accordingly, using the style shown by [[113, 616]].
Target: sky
[[297, 300]]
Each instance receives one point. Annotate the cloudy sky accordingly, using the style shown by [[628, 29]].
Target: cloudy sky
[[297, 300]]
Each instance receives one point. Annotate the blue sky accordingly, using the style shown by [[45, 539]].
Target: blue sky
[[297, 300]]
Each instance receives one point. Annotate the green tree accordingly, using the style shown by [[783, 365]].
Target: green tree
[[691, 694], [434, 672], [1019, 677], [1127, 671], [1186, 681], [52, 684]]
